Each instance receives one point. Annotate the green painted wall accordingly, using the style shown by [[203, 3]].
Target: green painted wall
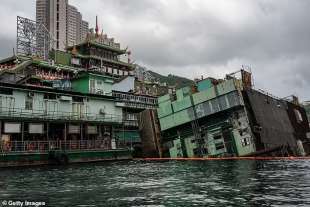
[[184, 103], [102, 84], [163, 99], [94, 107], [225, 87], [166, 122], [128, 136], [63, 58], [190, 145], [91, 83], [176, 150], [164, 109], [73, 156], [204, 95], [241, 148], [204, 85], [81, 85], [212, 142]]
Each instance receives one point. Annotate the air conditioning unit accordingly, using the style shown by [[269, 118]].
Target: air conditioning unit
[[30, 94], [102, 111], [99, 91], [257, 129], [65, 98]]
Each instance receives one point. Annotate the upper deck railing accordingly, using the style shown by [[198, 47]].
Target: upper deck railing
[[19, 113], [134, 100]]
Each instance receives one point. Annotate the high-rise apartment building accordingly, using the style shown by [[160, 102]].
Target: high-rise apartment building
[[84, 30], [74, 19], [63, 21]]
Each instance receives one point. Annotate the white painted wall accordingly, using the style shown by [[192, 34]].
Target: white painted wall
[[125, 85]]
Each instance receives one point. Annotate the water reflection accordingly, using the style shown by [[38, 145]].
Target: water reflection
[[198, 183]]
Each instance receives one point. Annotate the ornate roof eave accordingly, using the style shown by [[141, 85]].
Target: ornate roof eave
[[129, 65], [55, 66], [103, 46]]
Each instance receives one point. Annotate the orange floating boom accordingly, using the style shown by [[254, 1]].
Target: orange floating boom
[[225, 158]]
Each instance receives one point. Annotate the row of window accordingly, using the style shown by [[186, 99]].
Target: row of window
[[104, 54], [134, 98], [110, 70]]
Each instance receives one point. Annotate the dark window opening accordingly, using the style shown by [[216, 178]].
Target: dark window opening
[[198, 151], [6, 91], [245, 142], [219, 146], [51, 96], [29, 103], [217, 136], [77, 99]]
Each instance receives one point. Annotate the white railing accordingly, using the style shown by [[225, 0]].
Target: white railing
[[57, 115], [46, 146]]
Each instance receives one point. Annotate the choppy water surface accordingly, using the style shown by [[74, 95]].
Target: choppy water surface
[[201, 183]]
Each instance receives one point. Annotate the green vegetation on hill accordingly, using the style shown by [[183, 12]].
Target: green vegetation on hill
[[172, 80]]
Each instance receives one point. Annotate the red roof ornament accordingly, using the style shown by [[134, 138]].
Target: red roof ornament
[[97, 28]]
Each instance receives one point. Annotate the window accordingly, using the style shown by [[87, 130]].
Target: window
[[77, 99], [92, 86], [6, 91], [217, 136], [298, 116], [222, 102], [245, 141], [29, 102], [219, 146], [198, 151], [50, 96], [233, 99], [215, 105]]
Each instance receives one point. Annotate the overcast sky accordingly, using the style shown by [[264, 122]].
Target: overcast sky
[[200, 37]]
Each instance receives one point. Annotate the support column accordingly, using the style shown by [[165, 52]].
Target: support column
[[65, 136], [0, 130], [47, 130], [22, 130], [81, 131]]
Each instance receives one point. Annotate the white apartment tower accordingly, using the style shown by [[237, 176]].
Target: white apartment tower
[[63, 21]]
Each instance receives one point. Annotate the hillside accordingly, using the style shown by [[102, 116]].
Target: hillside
[[172, 80]]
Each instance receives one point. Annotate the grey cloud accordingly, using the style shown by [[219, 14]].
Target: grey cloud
[[193, 38]]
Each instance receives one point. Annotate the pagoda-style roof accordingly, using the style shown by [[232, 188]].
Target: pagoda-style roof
[[130, 66], [98, 45], [45, 64]]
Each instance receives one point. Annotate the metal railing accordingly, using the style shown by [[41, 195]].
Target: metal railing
[[135, 98], [46, 146], [57, 115]]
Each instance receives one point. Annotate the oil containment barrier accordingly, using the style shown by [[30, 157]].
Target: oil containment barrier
[[225, 158]]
